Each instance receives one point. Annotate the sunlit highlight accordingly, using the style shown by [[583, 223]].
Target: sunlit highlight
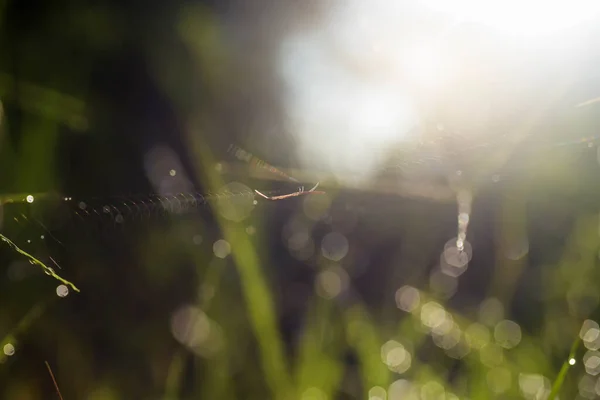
[[343, 118], [520, 17]]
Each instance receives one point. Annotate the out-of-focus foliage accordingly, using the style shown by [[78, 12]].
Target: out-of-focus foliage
[[350, 294]]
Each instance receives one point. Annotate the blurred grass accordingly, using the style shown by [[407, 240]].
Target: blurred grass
[[251, 359]]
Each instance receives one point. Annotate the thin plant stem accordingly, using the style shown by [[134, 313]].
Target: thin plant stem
[[563, 371], [33, 260], [54, 380]]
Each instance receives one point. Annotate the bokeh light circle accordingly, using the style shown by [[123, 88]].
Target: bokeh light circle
[[221, 248], [396, 357], [507, 334], [408, 298], [453, 261], [334, 246], [236, 204]]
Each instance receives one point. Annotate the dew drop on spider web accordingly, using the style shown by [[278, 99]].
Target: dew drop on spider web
[[463, 219], [62, 290], [455, 257], [9, 349]]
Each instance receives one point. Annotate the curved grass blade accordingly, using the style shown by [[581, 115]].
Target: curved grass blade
[[48, 270]]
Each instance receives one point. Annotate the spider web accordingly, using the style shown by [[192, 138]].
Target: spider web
[[427, 161]]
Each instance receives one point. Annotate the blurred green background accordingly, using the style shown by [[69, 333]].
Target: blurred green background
[[116, 118]]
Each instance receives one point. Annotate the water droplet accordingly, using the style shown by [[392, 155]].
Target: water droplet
[[29, 199], [463, 219], [9, 349], [62, 290], [455, 257], [460, 245], [172, 172]]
